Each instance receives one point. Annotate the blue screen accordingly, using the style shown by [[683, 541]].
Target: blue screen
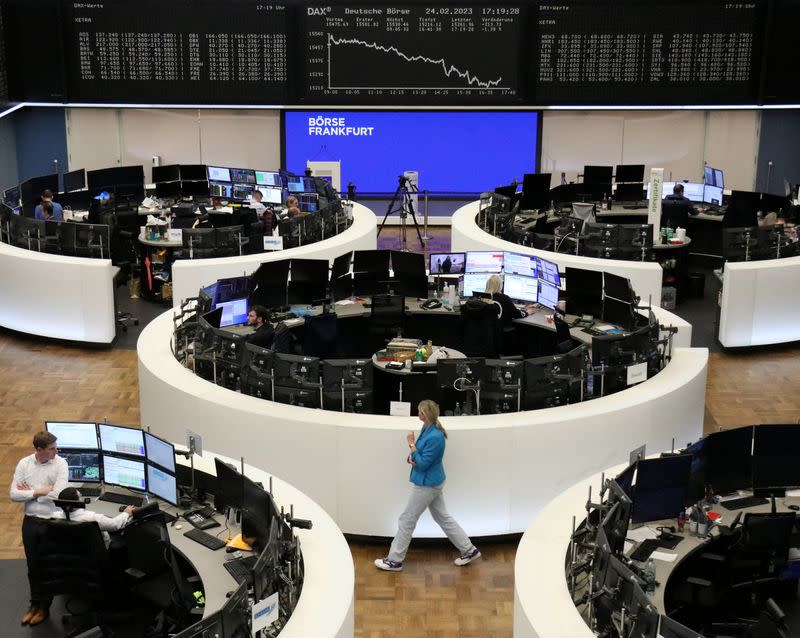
[[462, 151]]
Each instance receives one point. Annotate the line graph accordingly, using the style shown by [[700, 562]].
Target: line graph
[[417, 53], [447, 69]]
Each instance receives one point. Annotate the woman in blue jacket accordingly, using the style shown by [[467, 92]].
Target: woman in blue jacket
[[427, 475]]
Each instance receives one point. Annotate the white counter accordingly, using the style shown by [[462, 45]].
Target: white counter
[[57, 296], [467, 235], [501, 469], [189, 275], [760, 302]]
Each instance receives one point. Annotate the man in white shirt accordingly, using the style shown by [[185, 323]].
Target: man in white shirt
[[38, 479], [81, 514], [255, 203]]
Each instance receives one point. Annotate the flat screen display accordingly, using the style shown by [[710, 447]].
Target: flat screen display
[[548, 294], [160, 452], [484, 261], [519, 264], [438, 144], [475, 282], [219, 174], [447, 263], [234, 312], [271, 195], [82, 466], [268, 178], [548, 271], [73, 436], [124, 472], [712, 195], [162, 484], [115, 438], [521, 288]]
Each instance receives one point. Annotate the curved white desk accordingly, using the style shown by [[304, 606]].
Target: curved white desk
[[760, 302], [189, 275], [467, 235], [57, 296], [501, 469]]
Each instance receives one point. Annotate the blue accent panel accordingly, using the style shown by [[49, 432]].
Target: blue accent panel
[[41, 138], [780, 131], [462, 151], [9, 175]]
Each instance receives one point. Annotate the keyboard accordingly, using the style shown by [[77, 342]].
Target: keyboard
[[275, 317], [85, 490], [242, 569], [741, 503], [205, 539], [644, 549], [121, 499]]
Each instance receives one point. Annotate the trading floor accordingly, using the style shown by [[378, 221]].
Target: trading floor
[[431, 597]]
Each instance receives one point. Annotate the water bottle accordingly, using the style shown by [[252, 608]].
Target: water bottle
[[650, 576], [457, 410]]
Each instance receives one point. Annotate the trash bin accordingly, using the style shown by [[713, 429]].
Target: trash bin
[[697, 285]]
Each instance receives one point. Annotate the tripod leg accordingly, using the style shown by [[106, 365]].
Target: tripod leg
[[416, 224], [389, 210]]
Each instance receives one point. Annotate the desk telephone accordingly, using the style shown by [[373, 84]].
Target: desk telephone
[[430, 304], [200, 520]]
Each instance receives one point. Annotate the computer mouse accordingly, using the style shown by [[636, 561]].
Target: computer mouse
[[122, 508], [794, 508], [179, 527]]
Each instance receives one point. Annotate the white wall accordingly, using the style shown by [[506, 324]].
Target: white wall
[[99, 138], [677, 140]]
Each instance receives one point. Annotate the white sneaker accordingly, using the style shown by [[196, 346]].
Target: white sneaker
[[388, 565], [467, 558]]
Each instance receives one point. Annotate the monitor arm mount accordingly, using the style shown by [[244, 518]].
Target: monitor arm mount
[[466, 386], [189, 454]]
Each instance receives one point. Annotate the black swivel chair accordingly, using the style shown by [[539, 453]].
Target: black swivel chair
[[74, 561], [387, 318], [564, 341], [481, 328], [674, 213], [155, 576], [322, 336]]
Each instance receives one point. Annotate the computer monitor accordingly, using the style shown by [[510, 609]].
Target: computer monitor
[[83, 466], [159, 451], [618, 287], [617, 517], [535, 191], [619, 313], [74, 436], [597, 234], [193, 172], [168, 190], [554, 380], [776, 457], [629, 173], [739, 244], [309, 271], [520, 264], [301, 397], [242, 191], [475, 282], [547, 295], [243, 176], [341, 265], [447, 263], [295, 371], [235, 613], [196, 189], [271, 195], [121, 440], [234, 312], [633, 236], [269, 178], [484, 261], [670, 628], [229, 485], [452, 372], [692, 191], [350, 374], [629, 192], [11, 197], [353, 401], [503, 373], [609, 350], [371, 261], [162, 484], [712, 195], [219, 174], [584, 289], [295, 184], [170, 173], [728, 459], [407, 264], [265, 567], [210, 625], [222, 190], [625, 479], [259, 513], [597, 174], [75, 180], [232, 288], [32, 189], [548, 271], [521, 288], [661, 488], [124, 472]]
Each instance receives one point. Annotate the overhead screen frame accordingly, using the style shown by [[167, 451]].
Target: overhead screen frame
[[537, 153]]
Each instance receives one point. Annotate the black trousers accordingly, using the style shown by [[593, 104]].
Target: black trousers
[[33, 532]]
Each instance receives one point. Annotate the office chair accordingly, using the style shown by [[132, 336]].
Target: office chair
[[322, 336], [583, 211], [154, 574], [564, 341], [387, 317], [481, 328], [74, 561], [283, 341], [674, 214]]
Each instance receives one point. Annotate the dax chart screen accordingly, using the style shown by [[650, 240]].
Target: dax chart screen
[[413, 54]]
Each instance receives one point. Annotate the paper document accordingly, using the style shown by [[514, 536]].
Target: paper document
[[664, 556], [641, 533]]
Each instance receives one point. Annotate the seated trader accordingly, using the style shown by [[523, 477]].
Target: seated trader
[[38, 479], [258, 317], [292, 202], [255, 203], [57, 212], [82, 515], [678, 197], [294, 211], [509, 310]]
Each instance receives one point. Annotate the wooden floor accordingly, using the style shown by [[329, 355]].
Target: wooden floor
[[432, 597]]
